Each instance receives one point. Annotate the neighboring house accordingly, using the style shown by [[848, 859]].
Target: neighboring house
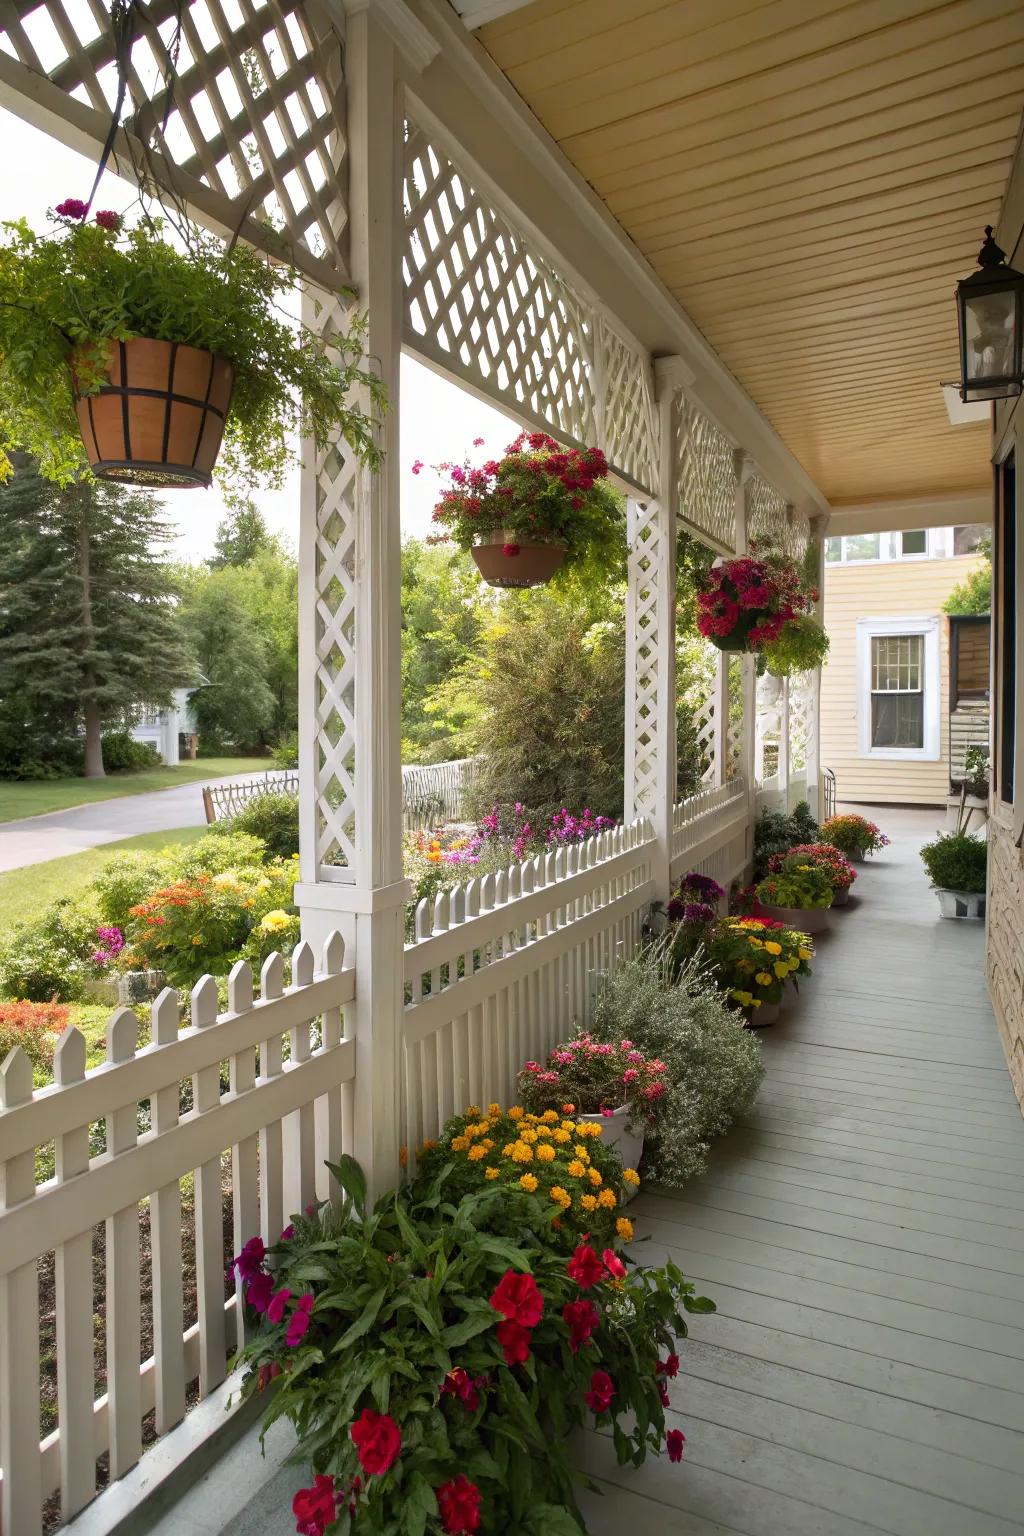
[[171, 732], [886, 689]]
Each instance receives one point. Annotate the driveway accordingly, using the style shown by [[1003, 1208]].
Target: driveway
[[37, 838]]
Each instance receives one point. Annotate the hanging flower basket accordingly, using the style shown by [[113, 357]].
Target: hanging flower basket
[[505, 562], [537, 511], [159, 419], [760, 603]]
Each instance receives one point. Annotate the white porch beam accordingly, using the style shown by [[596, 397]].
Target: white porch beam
[[477, 13], [942, 510]]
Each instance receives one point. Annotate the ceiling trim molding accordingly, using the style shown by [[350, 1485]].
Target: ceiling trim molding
[[946, 509], [477, 13]]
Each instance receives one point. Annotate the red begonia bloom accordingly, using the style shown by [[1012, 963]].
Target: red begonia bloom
[[602, 1392], [277, 1304], [582, 1318], [259, 1291], [377, 1439], [298, 1323], [315, 1508], [669, 1367], [585, 1267], [674, 1442], [515, 1342], [250, 1260], [459, 1506], [516, 1297]]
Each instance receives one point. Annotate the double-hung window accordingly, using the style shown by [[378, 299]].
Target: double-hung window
[[898, 699]]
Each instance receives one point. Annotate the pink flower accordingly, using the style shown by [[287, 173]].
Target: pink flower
[[668, 1367], [250, 1260], [674, 1442], [655, 1091], [107, 219], [613, 1264], [459, 1383], [602, 1392], [607, 1112], [315, 1508], [582, 1318], [417, 466], [287, 1234], [478, 442], [510, 549], [298, 1323], [259, 1291], [630, 1076], [277, 1304], [72, 208]]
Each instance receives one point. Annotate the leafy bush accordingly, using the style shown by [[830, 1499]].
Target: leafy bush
[[798, 882], [436, 1370], [129, 878], [713, 1065], [123, 754], [561, 1160], [273, 818], [592, 1076], [286, 753], [36, 1027], [775, 832], [51, 956], [853, 835], [801, 646], [825, 856], [956, 861]]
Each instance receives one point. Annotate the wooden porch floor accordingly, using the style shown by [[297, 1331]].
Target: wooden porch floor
[[863, 1236]]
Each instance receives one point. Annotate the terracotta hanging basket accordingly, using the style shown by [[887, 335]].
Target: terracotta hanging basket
[[509, 563], [160, 419]]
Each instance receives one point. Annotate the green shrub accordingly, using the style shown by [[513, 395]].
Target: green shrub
[[798, 882], [286, 753], [123, 754], [129, 878], [776, 832], [956, 861], [273, 818], [49, 957], [36, 1027], [714, 1064]]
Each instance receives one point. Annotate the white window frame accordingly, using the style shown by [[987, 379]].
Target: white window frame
[[938, 546], [928, 629]]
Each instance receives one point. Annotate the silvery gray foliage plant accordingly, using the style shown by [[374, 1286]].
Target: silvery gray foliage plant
[[714, 1064]]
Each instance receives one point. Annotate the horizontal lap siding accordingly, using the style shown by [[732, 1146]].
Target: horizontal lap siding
[[917, 589]]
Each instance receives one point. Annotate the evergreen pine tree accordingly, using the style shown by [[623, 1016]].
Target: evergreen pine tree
[[241, 536], [88, 625]]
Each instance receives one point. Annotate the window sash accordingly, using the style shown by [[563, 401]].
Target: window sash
[[897, 664]]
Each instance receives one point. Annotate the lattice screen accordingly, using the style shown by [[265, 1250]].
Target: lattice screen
[[706, 469], [770, 520], [800, 701], [241, 114], [486, 306], [734, 730], [645, 555], [767, 727]]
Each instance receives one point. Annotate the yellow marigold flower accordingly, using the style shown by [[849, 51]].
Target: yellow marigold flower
[[477, 1153], [491, 1172], [763, 979], [805, 954], [274, 922], [197, 938], [530, 1118], [427, 1145], [549, 1116], [594, 1176], [516, 1112], [460, 1143], [487, 1144], [528, 1182], [743, 998], [544, 1152], [631, 1176], [568, 1125], [508, 1148], [588, 1202], [561, 1136], [772, 947], [544, 1133], [590, 1128], [528, 1136], [472, 1113], [624, 1228], [781, 969], [494, 1109], [403, 1157], [607, 1199], [576, 1169], [561, 1196], [521, 1153]]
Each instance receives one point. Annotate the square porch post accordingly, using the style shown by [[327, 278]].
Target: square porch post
[[350, 638], [750, 764]]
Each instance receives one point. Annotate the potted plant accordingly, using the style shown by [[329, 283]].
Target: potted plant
[[122, 352], [836, 866], [537, 511], [797, 895], [611, 1085], [957, 864], [752, 958], [761, 603], [854, 836]]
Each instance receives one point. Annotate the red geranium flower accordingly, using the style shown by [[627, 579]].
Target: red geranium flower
[[315, 1508], [585, 1267], [276, 1305], [459, 1506], [515, 1342], [108, 219], [669, 1367], [72, 208], [516, 1297], [259, 1291], [250, 1260], [582, 1318], [459, 1383], [377, 1439], [298, 1323], [674, 1442], [602, 1392], [613, 1264]]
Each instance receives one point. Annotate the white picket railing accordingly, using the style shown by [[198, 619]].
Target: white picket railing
[[501, 968], [711, 832], [276, 1123]]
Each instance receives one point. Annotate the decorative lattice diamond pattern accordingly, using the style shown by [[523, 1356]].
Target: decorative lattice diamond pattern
[[734, 732], [240, 113], [645, 554], [625, 403], [705, 460], [800, 699]]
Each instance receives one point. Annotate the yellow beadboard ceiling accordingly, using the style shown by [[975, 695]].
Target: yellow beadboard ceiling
[[809, 178]]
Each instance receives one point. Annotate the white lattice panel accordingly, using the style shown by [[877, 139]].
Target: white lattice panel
[[645, 554], [800, 708], [239, 112], [706, 468], [625, 403], [734, 730], [767, 515], [704, 729]]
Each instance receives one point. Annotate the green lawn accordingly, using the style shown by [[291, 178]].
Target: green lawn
[[37, 796], [25, 892]]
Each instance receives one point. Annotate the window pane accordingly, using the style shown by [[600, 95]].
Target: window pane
[[833, 551], [897, 720], [896, 663], [970, 538], [862, 546], [915, 542]]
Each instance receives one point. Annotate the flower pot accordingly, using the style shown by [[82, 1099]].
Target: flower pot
[[803, 919], [160, 418], [507, 562], [615, 1134], [841, 897], [761, 1018], [855, 856], [961, 903]]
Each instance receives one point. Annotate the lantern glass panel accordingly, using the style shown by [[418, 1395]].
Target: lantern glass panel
[[989, 320]]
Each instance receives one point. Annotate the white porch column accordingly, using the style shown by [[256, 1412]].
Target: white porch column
[[651, 733], [350, 638], [814, 763], [750, 761]]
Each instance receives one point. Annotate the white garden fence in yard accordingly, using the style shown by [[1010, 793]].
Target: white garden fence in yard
[[711, 832], [276, 1123], [433, 793]]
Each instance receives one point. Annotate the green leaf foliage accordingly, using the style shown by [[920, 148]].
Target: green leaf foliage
[[956, 861]]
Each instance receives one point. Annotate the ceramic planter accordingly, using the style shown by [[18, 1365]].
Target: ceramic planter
[[616, 1134], [856, 857], [961, 903], [803, 919], [507, 562], [761, 1018], [841, 897], [159, 419]]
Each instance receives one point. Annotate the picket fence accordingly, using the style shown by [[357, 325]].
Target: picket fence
[[432, 793], [266, 1137]]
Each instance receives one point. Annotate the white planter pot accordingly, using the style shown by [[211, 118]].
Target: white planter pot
[[615, 1134], [961, 903]]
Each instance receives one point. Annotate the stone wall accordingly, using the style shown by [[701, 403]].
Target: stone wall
[[1006, 943]]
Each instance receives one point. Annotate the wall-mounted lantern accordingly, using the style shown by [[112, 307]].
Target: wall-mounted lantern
[[990, 312]]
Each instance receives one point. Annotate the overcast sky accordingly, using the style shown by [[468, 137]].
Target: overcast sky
[[438, 422]]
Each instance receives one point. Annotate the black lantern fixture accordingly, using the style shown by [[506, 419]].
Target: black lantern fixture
[[990, 311]]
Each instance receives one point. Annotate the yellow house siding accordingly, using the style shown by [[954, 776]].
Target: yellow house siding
[[916, 589]]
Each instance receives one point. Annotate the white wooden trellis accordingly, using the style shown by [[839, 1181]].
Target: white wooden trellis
[[705, 467]]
